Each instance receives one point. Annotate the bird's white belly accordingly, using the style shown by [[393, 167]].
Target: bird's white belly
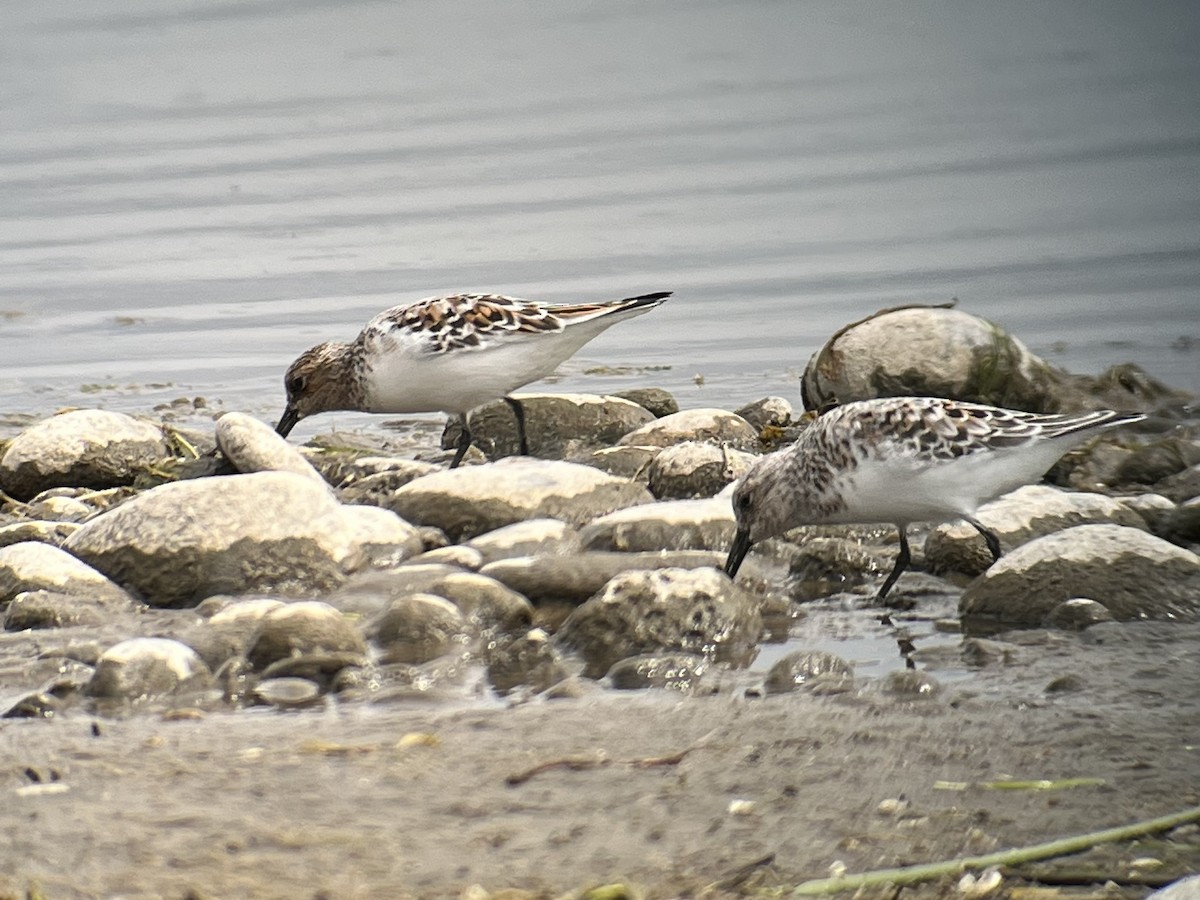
[[459, 380], [904, 489]]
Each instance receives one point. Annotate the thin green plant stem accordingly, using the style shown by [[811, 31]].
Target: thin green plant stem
[[1016, 856]]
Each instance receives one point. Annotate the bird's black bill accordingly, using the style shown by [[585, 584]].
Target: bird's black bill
[[287, 422], [741, 546]]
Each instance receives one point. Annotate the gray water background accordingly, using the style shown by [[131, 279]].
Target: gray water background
[[191, 193]]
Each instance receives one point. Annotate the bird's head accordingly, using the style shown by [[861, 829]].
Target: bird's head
[[761, 504], [318, 381]]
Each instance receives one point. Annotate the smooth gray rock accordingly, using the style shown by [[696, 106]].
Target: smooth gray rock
[[471, 501], [489, 605], [253, 446], [553, 424], [54, 609], [1017, 518], [145, 667], [533, 537], [83, 448], [287, 693], [659, 402], [303, 628], [242, 534], [705, 424], [683, 672], [1133, 574], [928, 351], [528, 660], [573, 579], [769, 412], [674, 610], [632, 463], [821, 566], [1077, 614], [34, 566], [1182, 524], [802, 668], [694, 469], [45, 532], [673, 525], [417, 628]]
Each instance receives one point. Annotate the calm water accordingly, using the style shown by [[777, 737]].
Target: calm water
[[191, 193]]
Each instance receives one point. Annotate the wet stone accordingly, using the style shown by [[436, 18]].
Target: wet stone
[[693, 469], [980, 652], [460, 556], [1182, 525], [376, 489], [417, 628], [774, 412], [911, 684], [1133, 574], [45, 532], [302, 628], [554, 424], [632, 463], [528, 660], [680, 610], [351, 469], [1153, 462], [471, 501], [34, 566], [825, 565], [234, 539], [574, 579], [1181, 487], [1077, 614], [681, 672], [319, 667], [673, 525], [928, 351], [52, 609], [657, 401], [706, 424], [83, 448], [58, 508], [1017, 518], [287, 692], [147, 667], [533, 537], [1153, 508], [253, 446], [805, 668]]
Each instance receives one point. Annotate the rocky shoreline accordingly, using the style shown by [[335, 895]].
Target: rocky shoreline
[[180, 572]]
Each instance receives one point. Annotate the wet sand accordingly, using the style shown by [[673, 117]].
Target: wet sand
[[412, 799]]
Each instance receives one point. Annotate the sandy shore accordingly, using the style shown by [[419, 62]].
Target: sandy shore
[[339, 803]]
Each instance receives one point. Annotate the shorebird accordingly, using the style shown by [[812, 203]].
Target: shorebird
[[901, 460], [448, 354]]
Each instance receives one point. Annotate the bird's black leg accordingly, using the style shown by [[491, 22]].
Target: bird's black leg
[[902, 561], [519, 412], [464, 444], [993, 542]]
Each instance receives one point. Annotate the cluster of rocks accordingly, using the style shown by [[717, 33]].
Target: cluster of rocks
[[234, 568]]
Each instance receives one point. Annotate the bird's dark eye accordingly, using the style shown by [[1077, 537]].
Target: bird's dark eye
[[296, 384], [743, 501]]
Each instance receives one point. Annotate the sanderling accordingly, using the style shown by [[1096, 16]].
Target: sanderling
[[448, 354], [902, 460]]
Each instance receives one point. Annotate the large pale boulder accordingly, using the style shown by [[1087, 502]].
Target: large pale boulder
[[270, 531], [473, 500], [930, 351], [1131, 573], [91, 448]]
